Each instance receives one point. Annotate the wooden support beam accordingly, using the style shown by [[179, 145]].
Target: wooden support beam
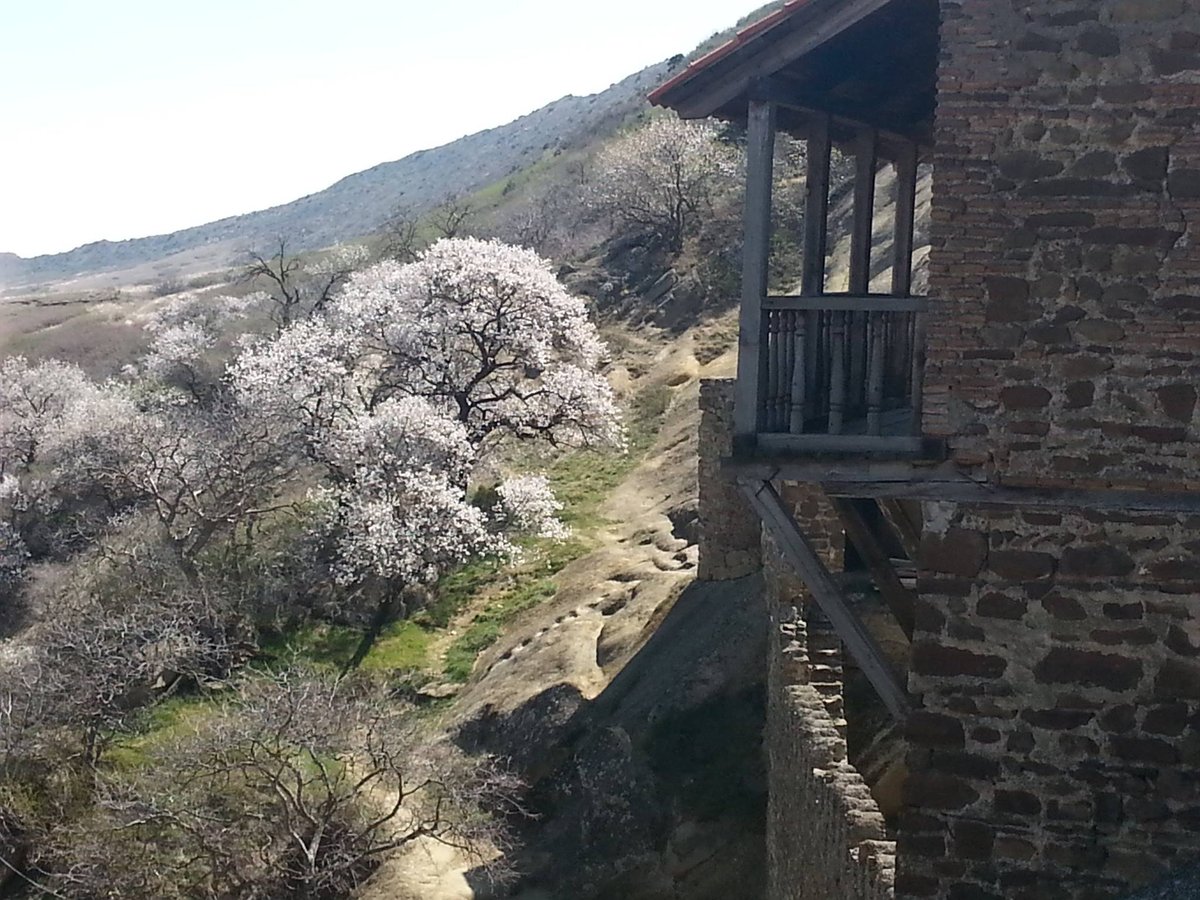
[[752, 357], [1117, 501], [906, 217], [907, 529], [899, 599], [848, 303], [797, 550], [816, 210], [848, 471], [892, 143], [804, 37], [865, 444], [865, 163]]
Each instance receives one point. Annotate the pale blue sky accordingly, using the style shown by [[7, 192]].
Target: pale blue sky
[[123, 118]]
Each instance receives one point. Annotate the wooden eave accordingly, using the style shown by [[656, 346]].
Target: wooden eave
[[867, 61]]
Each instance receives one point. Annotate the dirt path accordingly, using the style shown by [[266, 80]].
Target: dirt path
[[608, 601]]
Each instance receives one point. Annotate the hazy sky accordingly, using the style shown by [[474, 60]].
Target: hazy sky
[[125, 118]]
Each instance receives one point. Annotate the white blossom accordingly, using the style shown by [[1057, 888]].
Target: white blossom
[[531, 506], [186, 328], [411, 527], [661, 175], [482, 329], [409, 378], [342, 258], [33, 401]]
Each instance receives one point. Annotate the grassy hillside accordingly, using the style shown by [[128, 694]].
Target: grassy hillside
[[360, 203]]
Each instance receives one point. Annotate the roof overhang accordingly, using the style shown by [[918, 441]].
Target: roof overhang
[[870, 61]]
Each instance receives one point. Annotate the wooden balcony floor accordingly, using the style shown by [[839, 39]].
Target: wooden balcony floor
[[895, 440]]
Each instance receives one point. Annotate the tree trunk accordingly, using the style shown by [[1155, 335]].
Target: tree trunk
[[385, 612]]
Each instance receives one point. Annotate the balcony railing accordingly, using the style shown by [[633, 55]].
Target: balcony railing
[[823, 372], [841, 366]]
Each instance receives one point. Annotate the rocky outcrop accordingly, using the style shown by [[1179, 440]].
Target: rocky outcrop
[[653, 789]]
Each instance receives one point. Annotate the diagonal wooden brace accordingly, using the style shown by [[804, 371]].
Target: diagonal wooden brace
[[908, 530], [898, 598], [797, 550]]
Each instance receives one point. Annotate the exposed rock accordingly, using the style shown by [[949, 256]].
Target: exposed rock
[[654, 789]]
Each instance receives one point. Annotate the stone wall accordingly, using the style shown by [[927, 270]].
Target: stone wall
[[826, 837], [1057, 654], [730, 533], [1064, 336], [1058, 751]]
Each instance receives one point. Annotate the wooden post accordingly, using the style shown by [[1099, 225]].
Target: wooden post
[[906, 204], [837, 373], [799, 370], [816, 208], [875, 373], [914, 338], [917, 376], [865, 163], [752, 356], [865, 158], [797, 550]]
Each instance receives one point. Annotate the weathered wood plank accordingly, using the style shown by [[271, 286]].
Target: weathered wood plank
[[1028, 497], [865, 163], [849, 472], [752, 357], [803, 38], [797, 550], [899, 599], [906, 212], [816, 210], [899, 445], [846, 303]]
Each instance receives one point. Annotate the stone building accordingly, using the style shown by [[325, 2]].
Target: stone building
[[984, 503]]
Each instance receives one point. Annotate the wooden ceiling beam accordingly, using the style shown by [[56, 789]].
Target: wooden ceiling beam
[[845, 130], [803, 37]]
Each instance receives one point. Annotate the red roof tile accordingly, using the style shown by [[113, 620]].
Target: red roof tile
[[743, 37]]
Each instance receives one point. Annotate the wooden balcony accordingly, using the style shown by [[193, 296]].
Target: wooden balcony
[[841, 374], [823, 373]]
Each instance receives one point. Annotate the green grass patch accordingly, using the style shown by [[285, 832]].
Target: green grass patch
[[582, 481], [403, 646], [455, 591], [489, 625], [158, 726]]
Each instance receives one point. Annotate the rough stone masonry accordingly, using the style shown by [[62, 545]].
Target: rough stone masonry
[[1057, 654], [826, 837]]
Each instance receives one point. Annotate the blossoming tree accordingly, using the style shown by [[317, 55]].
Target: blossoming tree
[[662, 175], [408, 383]]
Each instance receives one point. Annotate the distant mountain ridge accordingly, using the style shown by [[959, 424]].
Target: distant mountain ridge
[[359, 204]]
